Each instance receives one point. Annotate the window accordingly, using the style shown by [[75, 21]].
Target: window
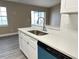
[[3, 16], [35, 18]]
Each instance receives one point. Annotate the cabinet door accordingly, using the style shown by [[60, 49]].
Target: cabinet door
[[25, 47], [69, 6], [32, 53], [23, 43], [20, 42]]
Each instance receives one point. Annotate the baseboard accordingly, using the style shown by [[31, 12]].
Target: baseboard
[[8, 34]]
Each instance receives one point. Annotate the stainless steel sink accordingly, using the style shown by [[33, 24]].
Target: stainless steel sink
[[37, 32]]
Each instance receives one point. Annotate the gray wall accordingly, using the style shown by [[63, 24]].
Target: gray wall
[[55, 16], [69, 22], [19, 15]]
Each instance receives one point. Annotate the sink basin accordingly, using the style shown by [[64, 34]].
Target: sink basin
[[37, 32]]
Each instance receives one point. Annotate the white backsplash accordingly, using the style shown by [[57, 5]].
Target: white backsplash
[[69, 22]]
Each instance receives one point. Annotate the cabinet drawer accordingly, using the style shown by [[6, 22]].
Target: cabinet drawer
[[33, 45], [32, 42], [23, 36]]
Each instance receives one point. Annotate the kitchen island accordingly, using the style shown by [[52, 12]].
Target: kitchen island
[[59, 40]]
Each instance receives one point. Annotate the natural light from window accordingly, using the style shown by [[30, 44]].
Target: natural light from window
[[35, 18], [3, 16]]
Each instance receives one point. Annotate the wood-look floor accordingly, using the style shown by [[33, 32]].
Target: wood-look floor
[[9, 48]]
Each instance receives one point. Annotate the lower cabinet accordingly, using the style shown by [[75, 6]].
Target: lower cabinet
[[28, 45], [24, 48], [32, 53]]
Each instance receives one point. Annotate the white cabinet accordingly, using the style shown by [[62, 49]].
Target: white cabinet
[[23, 44], [32, 52], [25, 48], [69, 6], [28, 45]]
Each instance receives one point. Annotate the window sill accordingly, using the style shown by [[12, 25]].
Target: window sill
[[36, 25], [2, 26]]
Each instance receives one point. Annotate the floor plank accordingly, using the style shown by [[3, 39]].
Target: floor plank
[[9, 48]]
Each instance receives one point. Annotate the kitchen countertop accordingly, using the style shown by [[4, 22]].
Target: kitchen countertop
[[63, 41]]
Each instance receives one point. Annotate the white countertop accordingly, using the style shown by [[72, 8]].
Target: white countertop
[[65, 42]]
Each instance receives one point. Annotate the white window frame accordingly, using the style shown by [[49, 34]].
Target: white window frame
[[4, 25], [37, 17]]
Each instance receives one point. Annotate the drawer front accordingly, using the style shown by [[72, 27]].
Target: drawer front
[[23, 36], [31, 41]]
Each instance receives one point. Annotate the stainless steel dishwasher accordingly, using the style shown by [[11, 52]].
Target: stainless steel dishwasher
[[46, 52]]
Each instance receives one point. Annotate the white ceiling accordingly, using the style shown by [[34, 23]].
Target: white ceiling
[[43, 3]]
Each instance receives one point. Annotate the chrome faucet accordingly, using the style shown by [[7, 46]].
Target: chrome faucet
[[44, 23]]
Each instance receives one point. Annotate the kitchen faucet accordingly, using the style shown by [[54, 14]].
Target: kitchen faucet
[[44, 23]]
